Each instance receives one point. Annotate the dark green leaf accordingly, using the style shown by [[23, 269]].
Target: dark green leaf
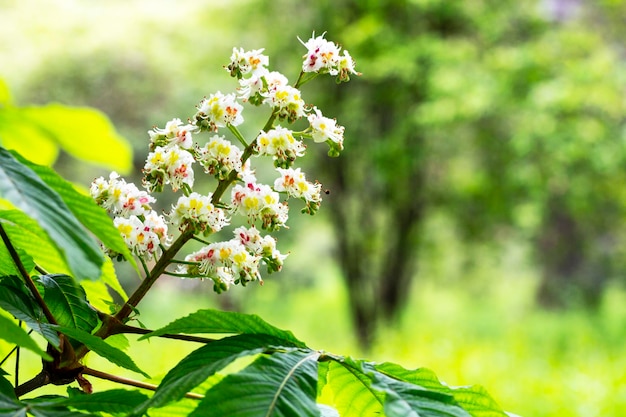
[[92, 216], [5, 387], [15, 335], [117, 401], [67, 302], [199, 365], [475, 399], [224, 322], [102, 348], [17, 300], [25, 190], [406, 399], [279, 385]]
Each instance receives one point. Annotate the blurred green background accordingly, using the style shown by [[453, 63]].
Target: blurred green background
[[476, 221]]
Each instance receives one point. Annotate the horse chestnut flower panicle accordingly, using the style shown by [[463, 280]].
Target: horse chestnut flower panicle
[[174, 149]]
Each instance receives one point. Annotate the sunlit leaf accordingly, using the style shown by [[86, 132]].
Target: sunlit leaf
[[102, 348], [14, 334], [26, 139], [67, 302], [283, 384], [7, 265], [224, 322], [23, 188], [195, 368], [351, 389], [84, 133]]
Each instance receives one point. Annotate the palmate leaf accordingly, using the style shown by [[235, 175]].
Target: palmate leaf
[[283, 384], [48, 406], [15, 335], [67, 302], [26, 191], [204, 362], [101, 348], [17, 300], [224, 322]]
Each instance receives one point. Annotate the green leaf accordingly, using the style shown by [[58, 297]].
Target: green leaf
[[475, 399], [68, 303], [82, 132], [406, 399], [199, 365], [5, 386], [88, 213], [17, 300], [26, 235], [282, 384], [7, 266], [116, 401], [24, 189], [351, 389], [224, 322], [14, 334], [101, 348]]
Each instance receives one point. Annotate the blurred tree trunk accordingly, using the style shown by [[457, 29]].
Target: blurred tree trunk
[[574, 271]]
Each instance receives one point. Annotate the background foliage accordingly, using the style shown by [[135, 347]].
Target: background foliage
[[519, 117]]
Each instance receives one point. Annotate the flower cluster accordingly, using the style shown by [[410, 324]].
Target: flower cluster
[[280, 144], [235, 261], [175, 149], [143, 230], [324, 56]]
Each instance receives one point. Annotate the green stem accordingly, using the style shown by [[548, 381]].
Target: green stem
[[237, 134], [27, 279]]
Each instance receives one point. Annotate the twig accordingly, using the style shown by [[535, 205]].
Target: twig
[[131, 382]]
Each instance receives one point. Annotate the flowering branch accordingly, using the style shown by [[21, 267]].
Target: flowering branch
[[174, 152]]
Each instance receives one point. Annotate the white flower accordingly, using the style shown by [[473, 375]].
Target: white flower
[[175, 133], [197, 211], [143, 237], [219, 157], [321, 54], [280, 144], [171, 165], [259, 201], [324, 56], [119, 197], [219, 110], [294, 183], [244, 62], [323, 128], [287, 100]]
